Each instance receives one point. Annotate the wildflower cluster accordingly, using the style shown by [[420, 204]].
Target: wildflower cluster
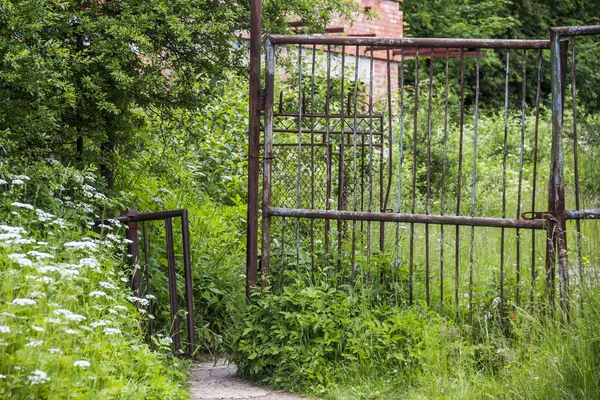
[[67, 328]]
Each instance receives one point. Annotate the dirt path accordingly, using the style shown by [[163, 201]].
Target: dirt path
[[218, 382]]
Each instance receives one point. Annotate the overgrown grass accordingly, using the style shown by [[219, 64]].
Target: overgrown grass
[[334, 343], [67, 326]]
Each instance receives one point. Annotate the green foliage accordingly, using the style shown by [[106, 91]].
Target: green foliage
[[67, 329], [510, 19], [77, 76], [339, 343]]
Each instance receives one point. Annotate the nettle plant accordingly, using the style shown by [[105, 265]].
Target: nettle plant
[[67, 326]]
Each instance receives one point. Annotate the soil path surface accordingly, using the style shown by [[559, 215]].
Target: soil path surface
[[218, 382]]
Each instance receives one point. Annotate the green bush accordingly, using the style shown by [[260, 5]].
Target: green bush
[[68, 328]]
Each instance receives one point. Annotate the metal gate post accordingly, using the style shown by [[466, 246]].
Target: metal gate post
[[253, 144], [133, 249], [557, 238], [268, 160]]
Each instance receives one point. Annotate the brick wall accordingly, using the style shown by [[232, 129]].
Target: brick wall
[[388, 24]]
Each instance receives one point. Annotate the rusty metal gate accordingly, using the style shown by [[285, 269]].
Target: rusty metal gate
[[366, 161], [141, 282]]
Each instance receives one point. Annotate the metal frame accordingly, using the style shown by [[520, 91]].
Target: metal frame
[[553, 220], [131, 218]]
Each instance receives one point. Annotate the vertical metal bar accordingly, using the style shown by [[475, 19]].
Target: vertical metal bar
[[428, 191], [312, 164], [172, 275], [299, 181], [371, 169], [400, 160], [535, 160], [341, 195], [253, 145], [473, 191], [459, 178], [267, 162], [557, 194], [390, 152], [520, 188], [282, 268], [414, 179], [189, 291], [150, 331], [133, 249], [443, 189], [354, 164], [576, 156], [504, 158], [329, 156]]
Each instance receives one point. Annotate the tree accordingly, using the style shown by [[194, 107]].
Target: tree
[[78, 76], [512, 19]]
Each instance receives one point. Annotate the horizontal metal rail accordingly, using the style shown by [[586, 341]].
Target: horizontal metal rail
[[582, 214], [157, 216], [411, 42], [409, 218], [329, 116], [576, 30]]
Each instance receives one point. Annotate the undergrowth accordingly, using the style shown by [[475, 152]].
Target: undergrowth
[[336, 343], [68, 326]]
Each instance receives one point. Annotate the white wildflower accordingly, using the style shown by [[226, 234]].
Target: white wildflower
[[43, 216], [120, 307], [2, 376], [127, 241], [7, 314], [12, 229], [82, 245], [21, 241], [47, 268], [112, 331], [113, 237], [23, 302], [3, 182], [70, 331], [114, 312], [20, 259], [55, 351], [97, 293], [106, 285], [39, 255], [150, 296], [22, 205], [22, 177], [59, 222], [140, 301], [4, 329], [99, 323], [82, 364], [45, 279], [69, 315], [35, 343], [88, 262], [9, 236], [38, 328], [104, 226], [150, 316], [17, 182], [38, 377], [37, 295]]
